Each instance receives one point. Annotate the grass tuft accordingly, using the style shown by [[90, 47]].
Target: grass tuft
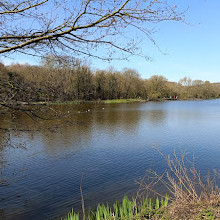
[[128, 209]]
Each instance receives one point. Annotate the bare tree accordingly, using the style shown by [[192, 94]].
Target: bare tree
[[80, 26]]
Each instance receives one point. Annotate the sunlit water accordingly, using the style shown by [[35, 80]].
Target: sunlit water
[[111, 146]]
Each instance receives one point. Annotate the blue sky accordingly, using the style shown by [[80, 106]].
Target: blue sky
[[193, 49]]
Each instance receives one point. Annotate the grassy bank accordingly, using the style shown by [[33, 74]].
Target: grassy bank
[[190, 196], [162, 209], [112, 101], [109, 101]]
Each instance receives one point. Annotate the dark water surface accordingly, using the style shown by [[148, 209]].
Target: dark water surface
[[111, 145]]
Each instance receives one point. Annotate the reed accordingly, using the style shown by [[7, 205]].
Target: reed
[[127, 209], [190, 196], [72, 216]]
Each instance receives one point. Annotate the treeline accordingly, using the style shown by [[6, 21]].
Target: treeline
[[67, 79]]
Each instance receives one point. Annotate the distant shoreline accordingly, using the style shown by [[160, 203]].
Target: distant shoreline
[[110, 101]]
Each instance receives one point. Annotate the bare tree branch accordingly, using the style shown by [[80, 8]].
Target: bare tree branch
[[17, 8], [79, 26]]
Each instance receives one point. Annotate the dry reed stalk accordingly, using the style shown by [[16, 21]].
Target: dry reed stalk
[[188, 192]]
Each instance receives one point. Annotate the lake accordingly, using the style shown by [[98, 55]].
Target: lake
[[110, 145]]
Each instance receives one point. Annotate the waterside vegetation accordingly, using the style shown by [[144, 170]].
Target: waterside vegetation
[[71, 80], [128, 209], [190, 196]]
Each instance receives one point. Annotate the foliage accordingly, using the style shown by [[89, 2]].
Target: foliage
[[68, 79], [157, 87], [206, 214], [72, 216], [121, 101], [128, 209]]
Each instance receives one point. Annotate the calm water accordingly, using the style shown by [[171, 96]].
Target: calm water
[[112, 146]]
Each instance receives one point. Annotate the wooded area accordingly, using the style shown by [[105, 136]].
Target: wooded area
[[69, 79]]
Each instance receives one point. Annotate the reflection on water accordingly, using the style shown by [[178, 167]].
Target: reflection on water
[[111, 145]]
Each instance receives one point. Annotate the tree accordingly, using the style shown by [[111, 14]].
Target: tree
[[185, 81], [3, 83], [79, 26], [100, 85], [157, 86], [185, 86], [130, 83], [207, 90], [112, 85], [196, 90]]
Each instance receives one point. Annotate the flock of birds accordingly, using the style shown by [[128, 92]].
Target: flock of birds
[[88, 110]]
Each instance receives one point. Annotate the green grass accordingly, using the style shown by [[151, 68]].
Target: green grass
[[190, 197], [128, 209], [65, 103], [72, 216], [58, 103], [206, 214], [82, 101], [122, 101]]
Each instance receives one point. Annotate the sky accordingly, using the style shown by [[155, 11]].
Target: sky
[[189, 49]]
